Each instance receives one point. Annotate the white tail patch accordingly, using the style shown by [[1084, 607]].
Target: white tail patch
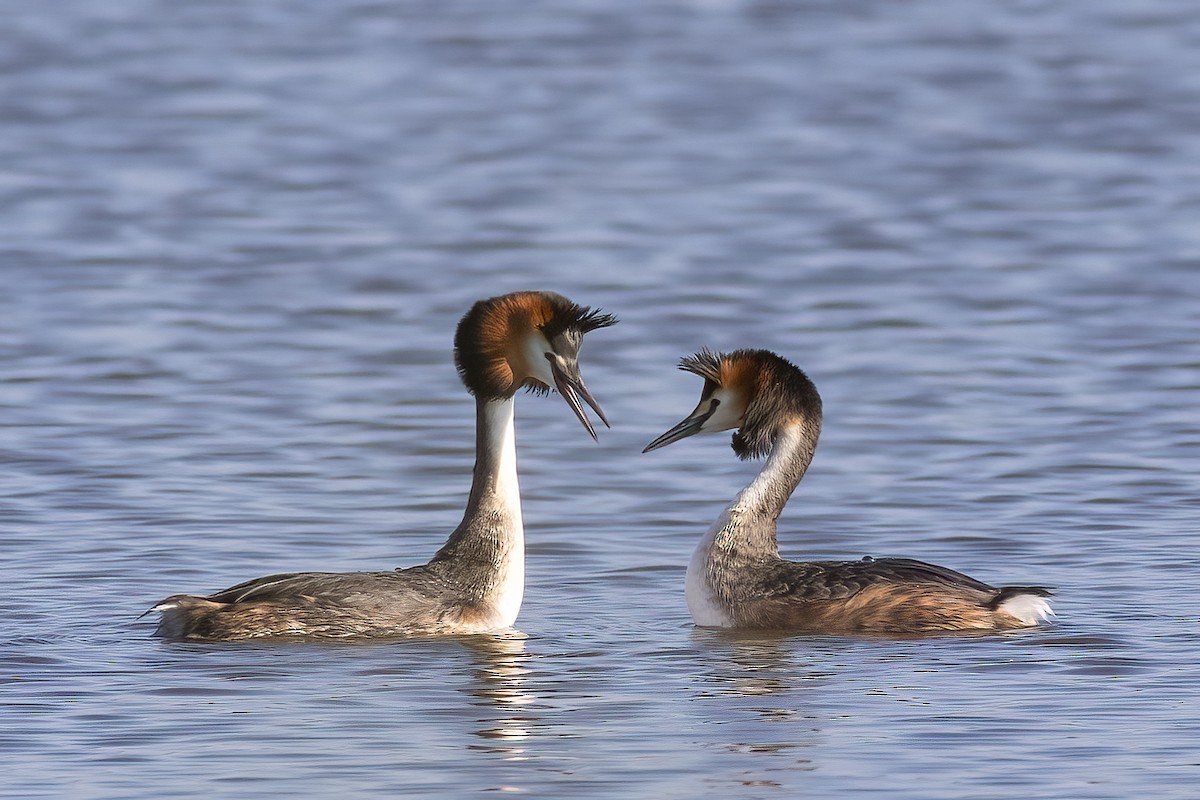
[[1030, 609]]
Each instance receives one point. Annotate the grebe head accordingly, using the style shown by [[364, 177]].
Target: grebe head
[[530, 340], [755, 391]]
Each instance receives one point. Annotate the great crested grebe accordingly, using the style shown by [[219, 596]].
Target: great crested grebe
[[736, 578], [475, 583]]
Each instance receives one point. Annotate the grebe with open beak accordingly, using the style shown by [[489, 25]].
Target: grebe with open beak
[[475, 582]]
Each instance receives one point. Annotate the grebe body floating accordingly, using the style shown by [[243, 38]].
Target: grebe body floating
[[736, 578], [475, 582]]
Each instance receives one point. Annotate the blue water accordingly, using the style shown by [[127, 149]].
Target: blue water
[[236, 239]]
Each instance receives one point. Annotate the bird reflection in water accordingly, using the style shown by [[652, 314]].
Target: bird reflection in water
[[500, 684], [752, 663], [759, 673]]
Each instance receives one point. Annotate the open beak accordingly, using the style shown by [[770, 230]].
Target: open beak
[[689, 426], [570, 385]]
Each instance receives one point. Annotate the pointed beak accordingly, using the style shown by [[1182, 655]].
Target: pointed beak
[[569, 383], [691, 425]]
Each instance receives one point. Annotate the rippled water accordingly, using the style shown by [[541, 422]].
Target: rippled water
[[236, 239]]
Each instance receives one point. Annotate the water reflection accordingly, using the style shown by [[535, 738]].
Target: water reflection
[[226, 343], [756, 675], [753, 663], [500, 683]]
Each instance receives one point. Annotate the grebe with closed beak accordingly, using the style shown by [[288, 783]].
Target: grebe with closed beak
[[475, 582], [736, 578]]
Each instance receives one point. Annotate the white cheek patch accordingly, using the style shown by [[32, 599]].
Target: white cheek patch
[[728, 414], [534, 352]]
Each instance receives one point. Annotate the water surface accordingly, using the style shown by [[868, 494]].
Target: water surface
[[236, 240]]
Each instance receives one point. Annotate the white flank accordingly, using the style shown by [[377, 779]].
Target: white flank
[[705, 609], [1030, 609]]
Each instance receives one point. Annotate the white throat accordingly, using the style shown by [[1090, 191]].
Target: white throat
[[505, 498]]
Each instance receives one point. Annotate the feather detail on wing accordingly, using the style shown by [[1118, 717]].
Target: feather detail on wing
[[286, 587], [839, 580]]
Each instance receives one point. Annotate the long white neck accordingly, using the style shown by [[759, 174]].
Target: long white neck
[[770, 490], [494, 486], [487, 550], [744, 534]]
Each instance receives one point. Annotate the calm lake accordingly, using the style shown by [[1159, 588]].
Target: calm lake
[[236, 239]]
